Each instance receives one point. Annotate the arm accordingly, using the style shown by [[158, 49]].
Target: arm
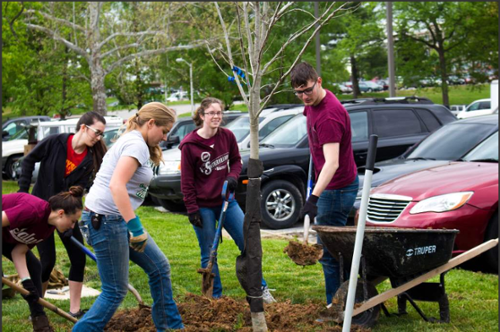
[[331, 153], [19, 259], [5, 219], [28, 164], [188, 189], [125, 169]]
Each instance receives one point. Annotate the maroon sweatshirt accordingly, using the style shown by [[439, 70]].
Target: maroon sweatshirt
[[205, 164]]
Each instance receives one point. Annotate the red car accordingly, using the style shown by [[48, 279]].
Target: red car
[[460, 195]]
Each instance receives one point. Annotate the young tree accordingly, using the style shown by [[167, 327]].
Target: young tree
[[109, 43], [247, 40]]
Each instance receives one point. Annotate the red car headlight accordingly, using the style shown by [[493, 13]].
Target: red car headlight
[[442, 203]]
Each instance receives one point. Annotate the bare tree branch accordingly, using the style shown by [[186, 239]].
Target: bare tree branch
[[61, 39], [320, 25], [249, 32], [149, 53], [56, 19], [242, 47], [103, 55], [215, 61], [129, 34], [230, 56]]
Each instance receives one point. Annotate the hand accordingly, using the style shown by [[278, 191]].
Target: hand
[[138, 243], [310, 208], [138, 237], [33, 296], [195, 219], [232, 183]]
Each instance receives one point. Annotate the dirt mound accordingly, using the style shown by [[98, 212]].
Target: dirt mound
[[303, 254], [200, 314]]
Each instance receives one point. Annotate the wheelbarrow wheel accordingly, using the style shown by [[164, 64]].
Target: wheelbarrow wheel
[[367, 318]]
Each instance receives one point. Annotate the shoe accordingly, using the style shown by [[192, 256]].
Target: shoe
[[267, 296], [79, 314], [41, 324]]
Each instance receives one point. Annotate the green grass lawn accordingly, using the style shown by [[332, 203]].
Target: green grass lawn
[[473, 296]]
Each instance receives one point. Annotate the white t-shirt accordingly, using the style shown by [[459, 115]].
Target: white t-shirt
[[99, 198]]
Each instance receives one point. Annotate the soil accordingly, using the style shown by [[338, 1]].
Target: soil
[[200, 314], [302, 253]]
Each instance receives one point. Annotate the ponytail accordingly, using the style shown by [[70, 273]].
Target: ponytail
[[69, 201]]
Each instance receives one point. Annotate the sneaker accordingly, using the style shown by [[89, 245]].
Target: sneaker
[[267, 296], [79, 314]]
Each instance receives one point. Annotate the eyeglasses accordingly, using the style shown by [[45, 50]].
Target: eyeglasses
[[96, 131], [214, 113], [307, 91]]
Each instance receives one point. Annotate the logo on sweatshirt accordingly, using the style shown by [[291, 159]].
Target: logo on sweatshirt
[[22, 236], [218, 163]]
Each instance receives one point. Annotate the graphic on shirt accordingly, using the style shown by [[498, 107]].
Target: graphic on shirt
[[20, 235], [142, 191], [70, 166], [218, 163]]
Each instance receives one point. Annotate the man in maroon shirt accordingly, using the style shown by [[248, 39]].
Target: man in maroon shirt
[[26, 221], [329, 133]]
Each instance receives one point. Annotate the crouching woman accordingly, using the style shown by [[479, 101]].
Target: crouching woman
[[26, 221]]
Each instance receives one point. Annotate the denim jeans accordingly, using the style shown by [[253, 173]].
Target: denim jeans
[[111, 246], [333, 210], [233, 224]]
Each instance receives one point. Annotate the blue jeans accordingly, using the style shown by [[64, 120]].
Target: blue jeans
[[233, 225], [333, 210], [111, 246]]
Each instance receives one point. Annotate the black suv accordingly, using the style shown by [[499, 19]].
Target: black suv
[[398, 122]]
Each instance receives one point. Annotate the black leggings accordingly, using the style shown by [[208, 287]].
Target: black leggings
[[47, 251], [35, 270]]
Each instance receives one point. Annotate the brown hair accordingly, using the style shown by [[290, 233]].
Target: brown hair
[[69, 201], [99, 149], [162, 115], [205, 103], [301, 74]]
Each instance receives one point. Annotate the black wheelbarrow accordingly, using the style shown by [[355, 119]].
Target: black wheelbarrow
[[406, 256]]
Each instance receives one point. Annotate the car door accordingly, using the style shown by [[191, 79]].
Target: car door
[[478, 108], [397, 130]]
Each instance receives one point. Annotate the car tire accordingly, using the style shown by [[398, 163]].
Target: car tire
[[280, 204], [491, 256], [9, 170], [369, 90], [172, 206]]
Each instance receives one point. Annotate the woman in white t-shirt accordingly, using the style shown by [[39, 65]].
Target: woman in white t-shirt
[[118, 190]]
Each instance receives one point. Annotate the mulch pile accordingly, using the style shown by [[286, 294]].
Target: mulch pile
[[200, 314]]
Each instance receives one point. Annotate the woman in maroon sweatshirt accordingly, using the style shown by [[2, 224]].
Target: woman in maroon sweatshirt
[[26, 221], [210, 156]]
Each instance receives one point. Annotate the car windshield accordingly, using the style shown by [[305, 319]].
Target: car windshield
[[288, 134], [22, 134], [241, 127], [486, 151], [450, 142]]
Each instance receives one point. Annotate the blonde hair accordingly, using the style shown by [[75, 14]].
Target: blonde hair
[[162, 115], [205, 103]]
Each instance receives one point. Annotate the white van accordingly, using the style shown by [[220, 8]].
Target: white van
[[13, 149]]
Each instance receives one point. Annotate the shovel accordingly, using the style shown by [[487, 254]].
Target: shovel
[[91, 255], [302, 253], [207, 284], [41, 301]]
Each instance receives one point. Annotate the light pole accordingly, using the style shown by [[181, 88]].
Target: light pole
[[190, 81]]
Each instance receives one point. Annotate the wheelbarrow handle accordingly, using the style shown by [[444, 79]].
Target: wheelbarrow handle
[[41, 301]]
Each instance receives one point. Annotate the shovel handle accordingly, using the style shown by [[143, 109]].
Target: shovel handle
[[41, 301], [307, 222]]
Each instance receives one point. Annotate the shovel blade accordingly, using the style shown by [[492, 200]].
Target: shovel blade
[[207, 282]]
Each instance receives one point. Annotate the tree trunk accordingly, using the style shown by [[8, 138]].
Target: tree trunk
[[97, 85], [354, 73], [444, 76], [64, 111], [97, 73]]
